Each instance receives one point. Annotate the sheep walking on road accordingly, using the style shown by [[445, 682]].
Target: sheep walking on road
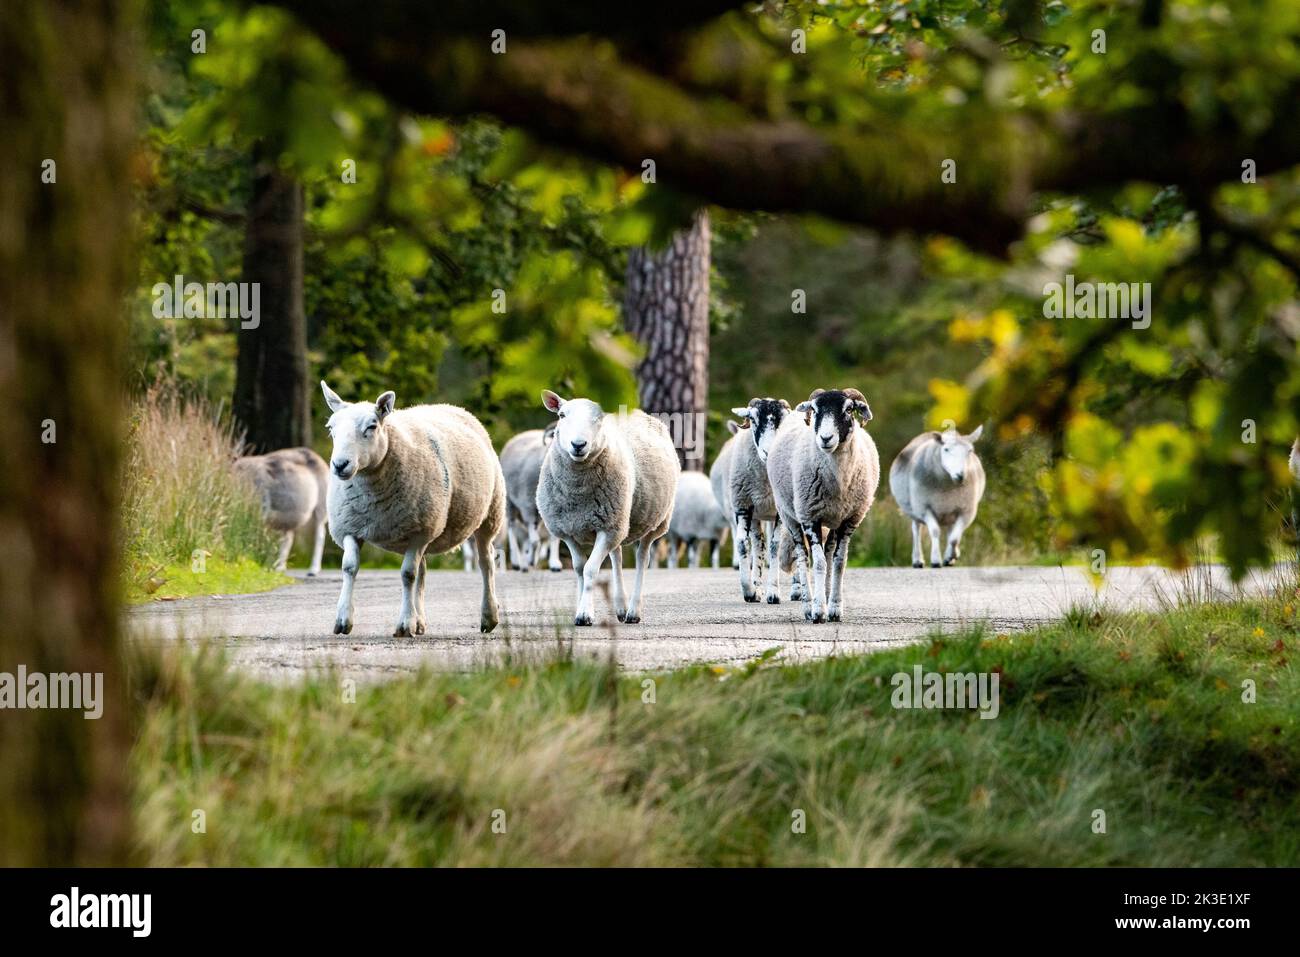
[[292, 484], [720, 479], [697, 521], [753, 507], [411, 480], [606, 481], [521, 463], [824, 479], [938, 481]]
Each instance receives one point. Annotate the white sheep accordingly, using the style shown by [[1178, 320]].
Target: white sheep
[[697, 520], [408, 481], [753, 507], [720, 479], [521, 463], [824, 478], [292, 484], [606, 481], [938, 481]]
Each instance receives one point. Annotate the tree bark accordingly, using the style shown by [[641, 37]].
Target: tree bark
[[67, 95], [272, 393], [666, 309]]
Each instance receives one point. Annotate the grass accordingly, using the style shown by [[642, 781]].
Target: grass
[[182, 502], [217, 577], [1138, 716]]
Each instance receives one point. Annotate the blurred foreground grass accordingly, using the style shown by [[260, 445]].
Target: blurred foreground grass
[[1140, 717]]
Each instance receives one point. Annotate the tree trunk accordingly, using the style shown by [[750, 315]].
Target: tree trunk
[[272, 394], [66, 95], [666, 308]]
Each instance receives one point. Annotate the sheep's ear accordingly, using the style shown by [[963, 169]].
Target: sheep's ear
[[384, 404], [805, 407], [864, 410], [331, 397], [741, 412], [551, 400], [548, 434], [732, 427], [975, 436]]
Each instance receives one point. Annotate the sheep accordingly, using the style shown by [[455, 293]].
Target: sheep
[[696, 520], [752, 505], [938, 481], [606, 481], [521, 463], [720, 479], [292, 484], [411, 480], [824, 477]]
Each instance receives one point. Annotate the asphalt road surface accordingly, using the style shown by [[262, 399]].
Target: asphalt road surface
[[690, 616]]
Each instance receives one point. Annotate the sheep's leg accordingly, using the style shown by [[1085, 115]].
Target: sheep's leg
[[916, 545], [317, 550], [620, 596], [759, 533], [489, 612], [513, 540], [579, 560], [717, 551], [672, 551], [590, 570], [813, 532], [351, 562], [410, 572], [744, 521], [693, 553], [467, 555], [954, 540], [786, 541], [556, 564], [282, 560], [735, 546], [774, 566], [936, 535], [534, 540], [419, 592], [644, 556], [802, 561], [839, 558]]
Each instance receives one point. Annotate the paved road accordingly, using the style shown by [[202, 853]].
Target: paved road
[[690, 616]]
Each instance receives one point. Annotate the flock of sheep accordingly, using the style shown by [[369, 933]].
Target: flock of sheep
[[790, 486]]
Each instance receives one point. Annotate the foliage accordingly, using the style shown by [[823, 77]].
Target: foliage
[[1139, 715]]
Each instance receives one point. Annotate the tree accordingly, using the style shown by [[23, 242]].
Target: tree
[[666, 309], [272, 391], [63, 273]]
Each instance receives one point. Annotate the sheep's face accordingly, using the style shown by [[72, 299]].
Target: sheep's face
[[357, 428], [762, 418], [578, 432], [955, 450], [834, 415]]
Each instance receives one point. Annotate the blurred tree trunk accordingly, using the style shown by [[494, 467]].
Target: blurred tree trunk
[[272, 395], [67, 94], [666, 308]]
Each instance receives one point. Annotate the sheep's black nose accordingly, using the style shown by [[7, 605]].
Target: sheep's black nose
[[578, 444], [341, 466]]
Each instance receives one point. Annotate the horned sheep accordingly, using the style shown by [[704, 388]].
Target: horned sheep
[[753, 507], [411, 480], [606, 481], [824, 476]]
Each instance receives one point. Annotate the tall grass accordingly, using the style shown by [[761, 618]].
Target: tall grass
[[180, 494]]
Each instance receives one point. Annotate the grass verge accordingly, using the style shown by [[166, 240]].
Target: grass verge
[[1139, 717], [218, 577]]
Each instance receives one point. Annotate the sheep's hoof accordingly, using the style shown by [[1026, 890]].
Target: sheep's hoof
[[833, 614], [582, 618], [753, 597], [773, 598], [312, 574], [949, 561], [557, 568], [419, 628], [631, 619], [918, 564], [401, 631], [342, 627], [808, 612], [934, 564], [486, 625]]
